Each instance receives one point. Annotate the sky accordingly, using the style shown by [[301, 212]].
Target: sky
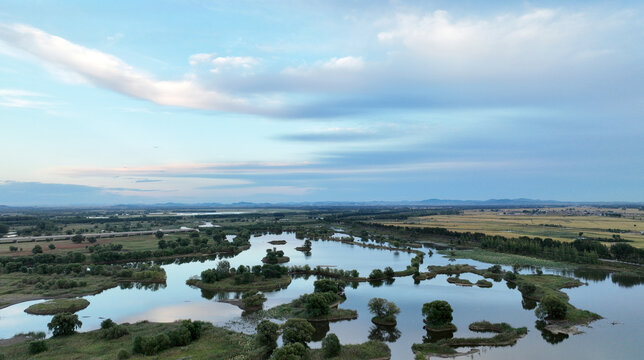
[[140, 102]]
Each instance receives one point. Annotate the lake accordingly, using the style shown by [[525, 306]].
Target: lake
[[617, 336]]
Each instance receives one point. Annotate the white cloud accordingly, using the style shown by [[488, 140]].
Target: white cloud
[[531, 42], [244, 62], [109, 71], [16, 98], [199, 58], [344, 63]]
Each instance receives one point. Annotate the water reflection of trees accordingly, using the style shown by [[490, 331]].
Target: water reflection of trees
[[384, 333], [321, 329], [548, 336], [434, 336], [626, 279], [142, 286], [528, 304]]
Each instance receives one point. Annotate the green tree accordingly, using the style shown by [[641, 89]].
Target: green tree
[[389, 272], [3, 229], [159, 234], [78, 238], [267, 334], [331, 345], [37, 249], [317, 305], [51, 246], [551, 308], [437, 312], [383, 310], [64, 324], [253, 299], [297, 331], [327, 285]]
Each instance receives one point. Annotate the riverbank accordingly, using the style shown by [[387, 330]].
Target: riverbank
[[215, 342]]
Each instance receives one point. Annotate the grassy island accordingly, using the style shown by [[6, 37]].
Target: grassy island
[[506, 335], [369, 350], [56, 306]]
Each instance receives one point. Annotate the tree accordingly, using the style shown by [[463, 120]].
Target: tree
[[317, 305], [3, 229], [64, 324], [162, 244], [267, 334], [37, 249], [78, 238], [159, 234], [297, 331], [253, 299], [327, 285], [376, 274], [389, 272], [384, 310], [551, 308], [38, 346], [437, 312], [331, 345], [51, 246], [527, 288]]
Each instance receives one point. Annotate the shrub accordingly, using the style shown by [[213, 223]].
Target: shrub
[[267, 334], [122, 355], [437, 312], [51, 246], [297, 331], [38, 346], [510, 276], [114, 332], [64, 324], [552, 308], [107, 323], [295, 351], [37, 249], [317, 305], [253, 299], [496, 269], [331, 345], [527, 288]]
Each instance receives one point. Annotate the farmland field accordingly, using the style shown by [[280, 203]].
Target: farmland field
[[553, 224]]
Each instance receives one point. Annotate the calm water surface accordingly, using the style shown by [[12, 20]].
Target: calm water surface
[[618, 336]]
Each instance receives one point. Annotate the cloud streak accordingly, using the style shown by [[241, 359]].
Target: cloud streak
[[109, 71]]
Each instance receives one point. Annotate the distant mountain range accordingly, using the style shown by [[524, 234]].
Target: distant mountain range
[[429, 202]]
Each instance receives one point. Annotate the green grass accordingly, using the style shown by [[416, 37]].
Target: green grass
[[215, 343], [56, 306], [504, 259], [552, 285], [365, 351], [228, 284], [296, 309]]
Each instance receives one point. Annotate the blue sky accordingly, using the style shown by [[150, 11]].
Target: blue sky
[[209, 101]]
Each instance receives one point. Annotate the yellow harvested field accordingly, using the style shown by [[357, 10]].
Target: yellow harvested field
[[516, 222]]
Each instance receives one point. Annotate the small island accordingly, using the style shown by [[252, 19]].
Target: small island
[[56, 306], [385, 312], [275, 257], [265, 277]]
